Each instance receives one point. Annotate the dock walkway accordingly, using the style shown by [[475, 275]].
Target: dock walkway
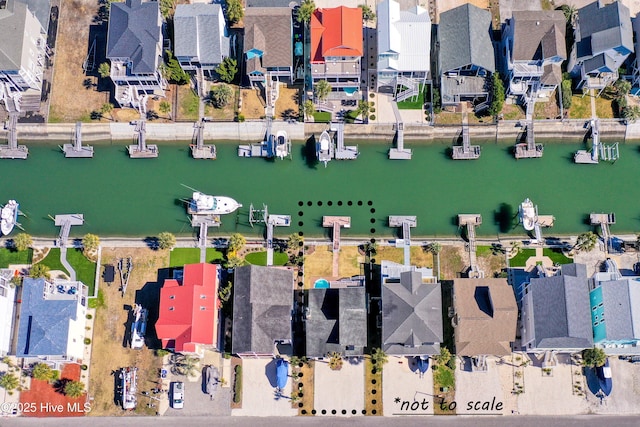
[[399, 152], [336, 222], [471, 221], [604, 220], [406, 222], [65, 222]]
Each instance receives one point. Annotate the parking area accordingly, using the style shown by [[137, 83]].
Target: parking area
[[339, 392], [197, 403], [482, 392], [259, 397], [625, 391], [404, 390]]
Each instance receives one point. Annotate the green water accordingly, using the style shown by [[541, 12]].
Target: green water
[[121, 196]]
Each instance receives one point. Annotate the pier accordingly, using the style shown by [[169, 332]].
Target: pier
[[65, 222], [198, 149], [529, 149], [141, 150], [342, 152], [336, 222], [278, 145], [603, 220], [399, 152], [203, 222], [606, 152], [466, 151], [274, 221], [471, 221], [12, 150], [76, 150], [406, 222], [542, 221]]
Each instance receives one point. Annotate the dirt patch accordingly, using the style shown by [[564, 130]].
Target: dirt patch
[[110, 350], [491, 264], [252, 104], [48, 401], [547, 110], [287, 106], [452, 262], [305, 403], [318, 264], [228, 112]]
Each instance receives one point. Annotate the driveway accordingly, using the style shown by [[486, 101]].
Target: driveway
[[625, 392], [197, 403], [259, 398], [338, 391], [485, 400], [404, 390]]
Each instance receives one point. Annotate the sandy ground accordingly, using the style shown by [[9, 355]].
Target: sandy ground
[[252, 104], [349, 396], [287, 103], [404, 386]]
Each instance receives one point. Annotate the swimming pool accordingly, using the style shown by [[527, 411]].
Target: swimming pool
[[321, 284]]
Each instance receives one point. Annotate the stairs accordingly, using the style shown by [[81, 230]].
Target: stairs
[[412, 88]]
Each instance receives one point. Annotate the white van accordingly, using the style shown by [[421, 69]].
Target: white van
[[177, 395]]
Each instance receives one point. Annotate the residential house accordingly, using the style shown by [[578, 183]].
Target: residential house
[[271, 3], [615, 313], [262, 307], [485, 317], [188, 314], [336, 49], [404, 59], [268, 46], [201, 37], [555, 311], [466, 58], [52, 320], [603, 41], [411, 310], [533, 48], [336, 321], [635, 65], [7, 308], [134, 47], [23, 46]]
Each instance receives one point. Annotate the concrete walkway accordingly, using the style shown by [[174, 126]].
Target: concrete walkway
[[65, 263]]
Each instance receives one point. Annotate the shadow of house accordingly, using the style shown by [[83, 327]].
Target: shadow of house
[[149, 298]]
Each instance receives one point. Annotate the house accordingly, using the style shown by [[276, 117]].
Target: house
[[23, 50], [555, 312], [635, 65], [485, 317], [188, 314], [533, 48], [336, 321], [200, 36], [336, 49], [466, 58], [52, 320], [7, 315], [411, 310], [134, 47], [603, 41], [268, 46], [262, 307], [615, 313], [404, 59]]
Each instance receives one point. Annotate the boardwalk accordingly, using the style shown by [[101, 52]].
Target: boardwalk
[[471, 221], [603, 220], [65, 222], [336, 222], [406, 222]]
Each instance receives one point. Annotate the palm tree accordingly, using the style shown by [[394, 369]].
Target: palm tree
[[434, 248], [443, 357], [9, 382], [107, 108], [165, 108], [335, 361], [234, 261], [236, 242], [74, 389], [631, 113], [39, 270], [187, 365], [586, 241], [371, 249], [104, 70], [322, 90], [570, 12], [293, 244], [363, 109], [90, 243], [43, 372], [22, 242], [308, 108], [166, 240], [379, 358], [305, 11], [594, 357]]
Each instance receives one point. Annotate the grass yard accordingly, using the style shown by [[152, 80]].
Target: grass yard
[[322, 117], [188, 103], [447, 118], [419, 257], [581, 107], [85, 269], [52, 260], [413, 105], [9, 257], [226, 113], [520, 260], [451, 262], [182, 256], [317, 264], [512, 112], [489, 262], [349, 261], [260, 258], [556, 256]]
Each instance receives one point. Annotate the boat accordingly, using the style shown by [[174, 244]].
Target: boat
[[202, 204], [129, 387], [528, 214], [9, 217], [211, 380], [282, 373], [139, 326], [282, 144], [604, 378], [324, 148], [423, 364]]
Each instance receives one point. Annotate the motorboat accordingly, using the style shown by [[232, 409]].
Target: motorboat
[[528, 214], [211, 380], [604, 378], [282, 144], [324, 148], [139, 326], [202, 204], [282, 373], [9, 217], [129, 387]]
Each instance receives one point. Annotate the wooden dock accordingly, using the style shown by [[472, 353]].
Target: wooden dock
[[12, 150], [342, 152], [274, 220], [65, 222], [199, 150], [204, 222], [466, 151], [399, 152], [141, 150], [604, 220], [529, 149], [76, 149], [471, 221], [336, 222], [406, 223]]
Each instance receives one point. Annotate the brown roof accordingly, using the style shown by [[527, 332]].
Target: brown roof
[[486, 316], [538, 35], [269, 30]]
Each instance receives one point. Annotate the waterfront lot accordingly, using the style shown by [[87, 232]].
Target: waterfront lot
[[403, 386], [338, 391]]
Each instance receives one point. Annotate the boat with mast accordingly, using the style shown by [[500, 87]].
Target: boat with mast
[[139, 326], [9, 217], [129, 387]]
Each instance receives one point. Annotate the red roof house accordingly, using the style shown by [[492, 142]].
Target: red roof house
[[188, 314], [336, 32]]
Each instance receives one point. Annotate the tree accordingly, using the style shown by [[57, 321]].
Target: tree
[[293, 244], [305, 11], [22, 242], [73, 389], [107, 108], [363, 109], [367, 13], [187, 365], [236, 242], [224, 293], [166, 240], [104, 70], [622, 87], [594, 357], [379, 358], [434, 248], [234, 261], [570, 12], [166, 7], [631, 113], [227, 69], [308, 108], [586, 241], [172, 70], [370, 249], [38, 271], [335, 361], [43, 372], [9, 382], [90, 243], [566, 93], [165, 108], [234, 11], [322, 89], [497, 95], [443, 357], [220, 95]]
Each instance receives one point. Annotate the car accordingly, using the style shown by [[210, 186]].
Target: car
[[177, 395]]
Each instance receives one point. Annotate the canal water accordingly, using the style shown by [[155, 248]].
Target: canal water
[[126, 197]]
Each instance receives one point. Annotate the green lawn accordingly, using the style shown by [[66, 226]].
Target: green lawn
[[182, 256], [260, 258], [484, 250], [322, 117], [581, 107], [520, 260], [8, 257], [52, 260], [556, 256], [413, 105], [351, 116], [85, 269]]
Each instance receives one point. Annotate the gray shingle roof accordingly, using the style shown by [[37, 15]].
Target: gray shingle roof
[[41, 9], [538, 35], [134, 33], [44, 324], [12, 27], [411, 316], [464, 35], [200, 32], [272, 3], [561, 309], [262, 304], [618, 309], [269, 29], [602, 28], [336, 321]]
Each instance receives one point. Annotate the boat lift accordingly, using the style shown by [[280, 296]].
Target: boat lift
[[603, 220], [599, 151]]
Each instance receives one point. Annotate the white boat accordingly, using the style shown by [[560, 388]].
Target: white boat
[[202, 204], [139, 326], [129, 387], [528, 214], [324, 148], [282, 144], [9, 216]]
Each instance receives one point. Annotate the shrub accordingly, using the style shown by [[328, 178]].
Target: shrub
[[372, 117], [237, 385], [87, 341], [89, 316], [241, 118], [161, 352], [84, 367], [444, 377], [372, 95]]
